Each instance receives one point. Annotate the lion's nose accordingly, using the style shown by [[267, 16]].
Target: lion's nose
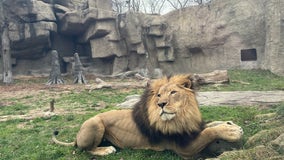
[[162, 104]]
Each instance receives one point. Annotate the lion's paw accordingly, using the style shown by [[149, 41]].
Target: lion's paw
[[103, 151], [110, 150], [228, 131]]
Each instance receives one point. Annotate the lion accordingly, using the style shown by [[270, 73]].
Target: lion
[[167, 117]]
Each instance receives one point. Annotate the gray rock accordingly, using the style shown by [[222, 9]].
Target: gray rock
[[129, 102], [103, 48], [234, 98], [30, 24], [120, 65]]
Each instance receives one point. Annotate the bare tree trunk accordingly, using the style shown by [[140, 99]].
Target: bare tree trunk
[[78, 71], [55, 74], [6, 56]]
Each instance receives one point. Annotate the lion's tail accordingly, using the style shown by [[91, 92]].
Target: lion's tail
[[55, 133]]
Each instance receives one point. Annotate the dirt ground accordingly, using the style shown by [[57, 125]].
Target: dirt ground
[[35, 87]]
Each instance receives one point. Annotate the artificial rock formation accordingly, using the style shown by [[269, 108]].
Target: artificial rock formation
[[223, 34]]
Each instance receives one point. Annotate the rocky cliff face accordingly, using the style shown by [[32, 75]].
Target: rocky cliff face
[[229, 34], [224, 34]]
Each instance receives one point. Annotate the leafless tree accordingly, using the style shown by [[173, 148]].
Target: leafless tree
[[119, 6], [199, 2], [135, 5], [155, 6], [177, 4]]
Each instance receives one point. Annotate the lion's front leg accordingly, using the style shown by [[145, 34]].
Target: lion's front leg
[[227, 131]]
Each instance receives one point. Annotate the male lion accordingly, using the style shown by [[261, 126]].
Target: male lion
[[166, 118]]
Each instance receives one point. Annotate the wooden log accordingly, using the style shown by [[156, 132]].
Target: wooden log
[[215, 77]]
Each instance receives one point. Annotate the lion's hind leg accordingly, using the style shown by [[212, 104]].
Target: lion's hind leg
[[90, 135]]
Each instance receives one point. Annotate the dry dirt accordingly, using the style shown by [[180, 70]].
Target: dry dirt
[[29, 87]]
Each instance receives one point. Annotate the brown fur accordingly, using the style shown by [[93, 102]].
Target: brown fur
[[187, 124], [166, 117]]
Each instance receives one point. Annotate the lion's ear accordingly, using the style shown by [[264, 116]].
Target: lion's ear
[[183, 80], [187, 81], [156, 84]]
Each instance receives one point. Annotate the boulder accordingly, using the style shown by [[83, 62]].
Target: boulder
[[130, 27], [30, 25], [71, 23], [30, 40], [129, 102], [28, 11], [120, 65], [98, 30]]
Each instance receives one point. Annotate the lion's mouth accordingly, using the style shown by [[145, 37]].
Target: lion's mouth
[[165, 116]]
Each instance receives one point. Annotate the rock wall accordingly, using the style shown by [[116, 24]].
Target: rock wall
[[214, 35], [223, 34], [274, 44]]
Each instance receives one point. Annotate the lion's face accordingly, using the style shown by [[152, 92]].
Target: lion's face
[[173, 107], [168, 101]]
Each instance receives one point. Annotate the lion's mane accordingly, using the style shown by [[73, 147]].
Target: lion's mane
[[186, 126]]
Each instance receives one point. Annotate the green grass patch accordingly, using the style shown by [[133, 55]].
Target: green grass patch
[[249, 80], [241, 115], [88, 100], [31, 139], [15, 109]]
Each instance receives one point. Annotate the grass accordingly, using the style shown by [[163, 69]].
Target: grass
[[249, 80], [31, 139], [18, 109], [22, 139]]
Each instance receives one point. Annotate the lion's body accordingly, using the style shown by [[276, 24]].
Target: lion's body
[[118, 128], [166, 117]]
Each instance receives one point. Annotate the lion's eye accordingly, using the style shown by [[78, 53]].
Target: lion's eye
[[158, 95], [173, 92]]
